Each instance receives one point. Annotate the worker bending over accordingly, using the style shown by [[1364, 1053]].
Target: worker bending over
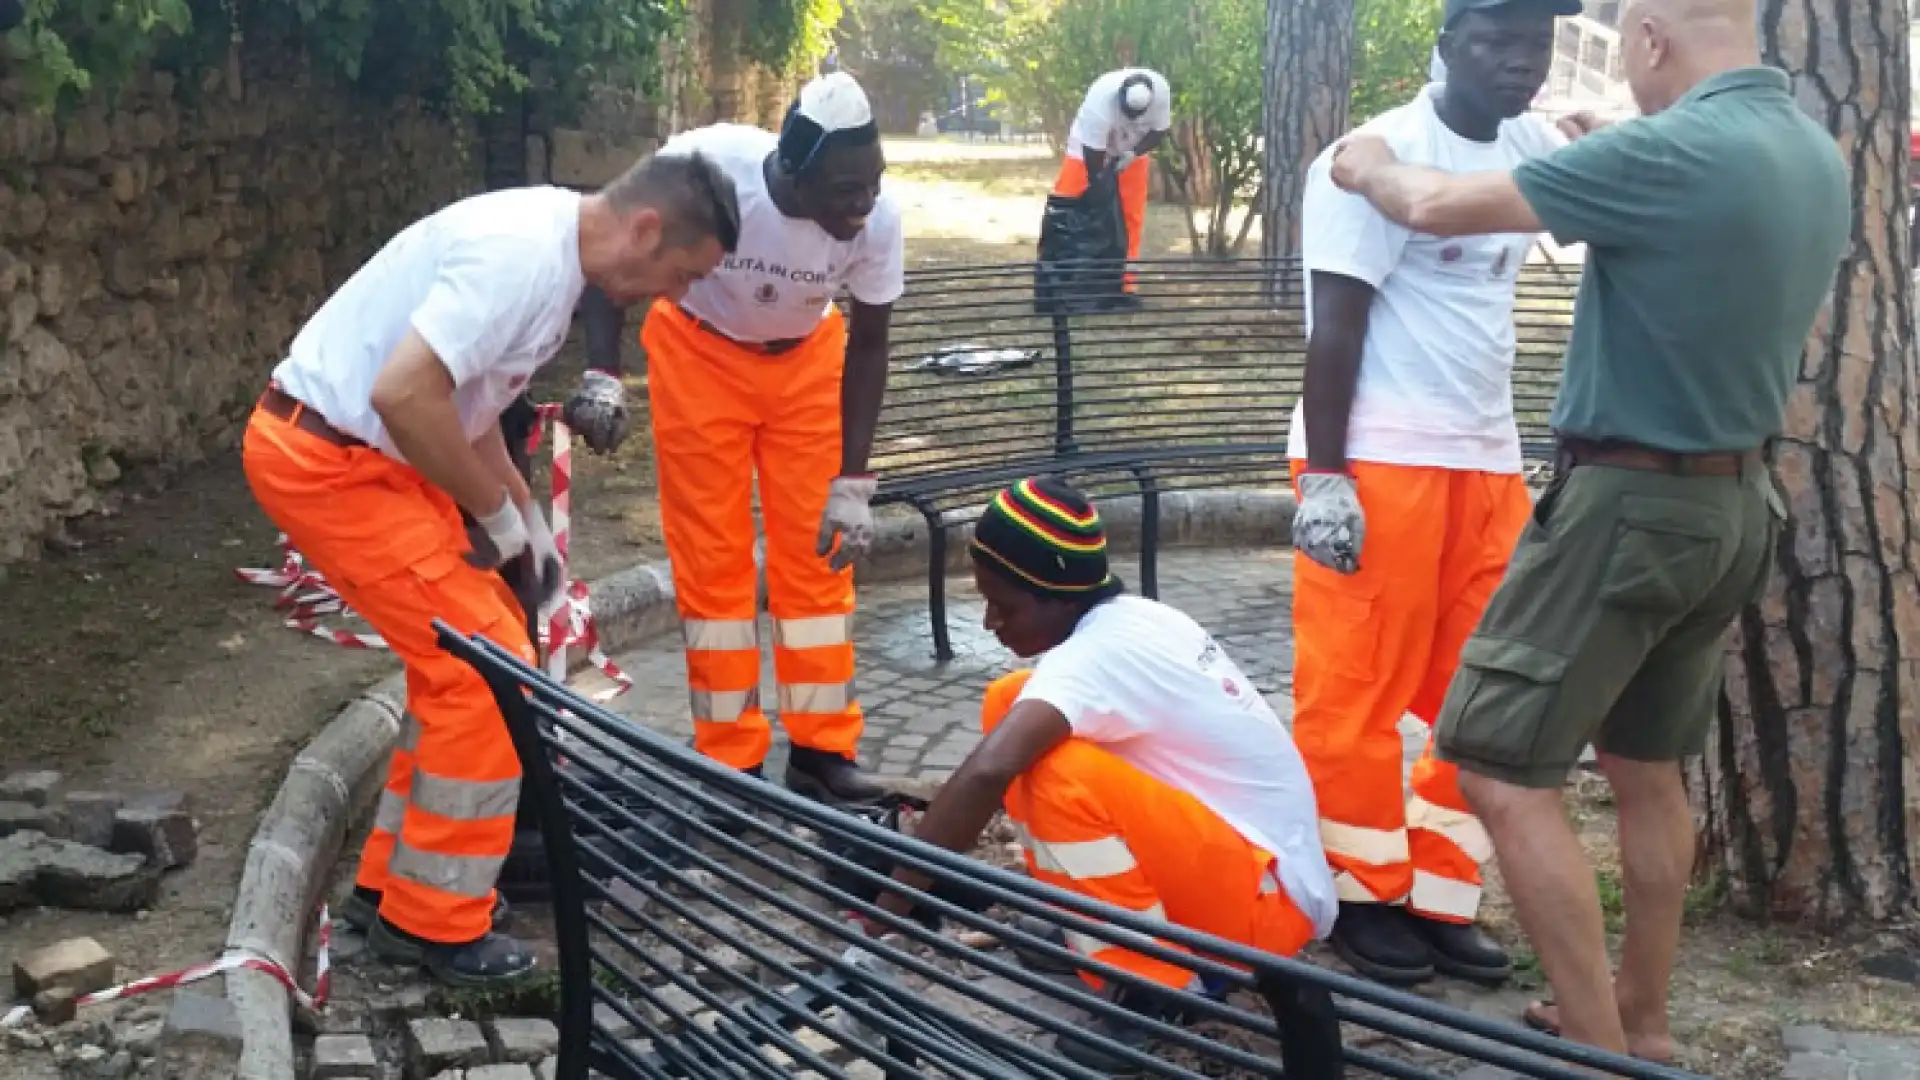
[[381, 426], [756, 374], [1139, 765], [1407, 461], [1126, 116]]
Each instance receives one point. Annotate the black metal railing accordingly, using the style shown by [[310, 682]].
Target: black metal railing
[[703, 931]]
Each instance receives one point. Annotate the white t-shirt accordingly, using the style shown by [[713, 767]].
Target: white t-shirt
[[1435, 386], [1153, 688], [1102, 124], [490, 283], [786, 271]]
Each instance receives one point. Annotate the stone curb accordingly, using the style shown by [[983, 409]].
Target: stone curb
[[339, 774]]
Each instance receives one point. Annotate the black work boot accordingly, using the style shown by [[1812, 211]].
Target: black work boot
[[1380, 942], [1461, 950], [1164, 1008], [490, 960], [828, 777], [362, 909]]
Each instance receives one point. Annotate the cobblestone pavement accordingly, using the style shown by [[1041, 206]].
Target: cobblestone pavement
[[1817, 1053], [923, 717]]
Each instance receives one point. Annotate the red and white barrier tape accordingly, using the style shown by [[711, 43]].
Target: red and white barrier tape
[[322, 978], [305, 594]]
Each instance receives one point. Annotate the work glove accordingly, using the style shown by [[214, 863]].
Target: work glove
[[1121, 162], [849, 516], [499, 536], [550, 570], [1328, 525], [597, 411]]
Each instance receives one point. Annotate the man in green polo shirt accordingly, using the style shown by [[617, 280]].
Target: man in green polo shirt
[[1713, 225]]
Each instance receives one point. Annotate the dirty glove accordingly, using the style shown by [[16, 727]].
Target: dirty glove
[[597, 411], [1328, 525], [849, 517], [550, 570], [500, 536]]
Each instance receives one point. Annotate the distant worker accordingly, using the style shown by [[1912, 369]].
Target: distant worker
[[1407, 459], [1125, 117], [381, 427], [1139, 764], [755, 376]]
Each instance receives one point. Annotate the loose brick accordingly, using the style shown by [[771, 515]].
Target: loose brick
[[25, 817], [435, 1045], [39, 788], [56, 1006], [78, 964], [90, 816], [164, 837], [525, 1041], [343, 1057]]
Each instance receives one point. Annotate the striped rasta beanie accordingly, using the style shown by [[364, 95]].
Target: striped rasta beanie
[[1046, 538]]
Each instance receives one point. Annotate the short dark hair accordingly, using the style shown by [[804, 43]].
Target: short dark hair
[[695, 199]]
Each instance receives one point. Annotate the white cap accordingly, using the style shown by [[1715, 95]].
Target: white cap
[[1437, 69], [836, 103], [1138, 97]]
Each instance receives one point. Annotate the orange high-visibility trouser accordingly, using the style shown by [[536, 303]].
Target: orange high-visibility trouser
[[1096, 825], [393, 546], [1072, 182], [1375, 645], [722, 414]]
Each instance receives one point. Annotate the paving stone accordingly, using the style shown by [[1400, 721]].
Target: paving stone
[[1869, 1047], [1804, 1038], [523, 1040], [1818, 1067], [56, 1005], [434, 1045], [164, 837], [1887, 1070], [79, 964], [340, 1057], [24, 817], [39, 787], [18, 870], [77, 876], [201, 1019], [164, 799], [90, 816], [548, 1070], [610, 1023]]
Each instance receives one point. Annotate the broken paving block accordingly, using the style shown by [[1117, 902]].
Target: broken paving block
[[40, 788], [19, 817], [340, 1057], [77, 876], [524, 1040], [78, 964], [90, 817], [165, 837], [56, 1006], [435, 1045], [18, 869]]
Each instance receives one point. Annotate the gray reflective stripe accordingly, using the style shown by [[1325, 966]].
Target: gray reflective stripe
[[1348, 888], [816, 632], [1375, 847], [462, 875], [723, 706], [409, 733], [1436, 895], [391, 812], [1088, 945], [720, 635], [464, 800], [1078, 859], [815, 697]]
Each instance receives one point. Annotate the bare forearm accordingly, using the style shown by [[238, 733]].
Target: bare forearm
[[957, 816], [1333, 372], [863, 386], [427, 432], [1439, 203], [492, 448]]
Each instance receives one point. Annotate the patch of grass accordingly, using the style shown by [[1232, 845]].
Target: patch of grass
[[538, 996], [1613, 899]]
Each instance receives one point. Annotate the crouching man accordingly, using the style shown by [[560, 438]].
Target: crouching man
[[1139, 765]]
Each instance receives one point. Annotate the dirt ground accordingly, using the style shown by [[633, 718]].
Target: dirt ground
[[138, 660]]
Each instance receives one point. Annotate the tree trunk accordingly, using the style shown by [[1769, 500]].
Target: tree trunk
[[1309, 54], [1809, 793]]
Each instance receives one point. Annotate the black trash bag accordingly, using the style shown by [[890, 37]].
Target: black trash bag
[[887, 813], [1082, 262]]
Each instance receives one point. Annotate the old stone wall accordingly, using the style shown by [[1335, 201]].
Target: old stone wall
[[159, 251]]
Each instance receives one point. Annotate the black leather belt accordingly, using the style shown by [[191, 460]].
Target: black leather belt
[[764, 348]]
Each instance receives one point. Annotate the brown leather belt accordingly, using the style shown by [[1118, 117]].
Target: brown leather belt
[[278, 403], [1626, 455], [764, 348]]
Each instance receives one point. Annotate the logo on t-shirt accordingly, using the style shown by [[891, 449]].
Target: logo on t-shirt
[[1450, 253], [516, 382], [765, 293]]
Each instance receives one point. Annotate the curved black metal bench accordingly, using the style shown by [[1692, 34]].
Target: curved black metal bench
[[1192, 391], [733, 955]]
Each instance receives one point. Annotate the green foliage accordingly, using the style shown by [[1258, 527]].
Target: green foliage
[[1210, 51], [786, 35], [462, 53], [894, 48]]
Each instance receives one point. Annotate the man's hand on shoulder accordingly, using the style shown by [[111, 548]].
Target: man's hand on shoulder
[[1356, 157], [1580, 124]]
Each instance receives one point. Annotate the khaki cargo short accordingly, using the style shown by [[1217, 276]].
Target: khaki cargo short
[[1610, 625]]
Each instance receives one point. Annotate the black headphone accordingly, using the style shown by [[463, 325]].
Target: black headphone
[[1126, 84]]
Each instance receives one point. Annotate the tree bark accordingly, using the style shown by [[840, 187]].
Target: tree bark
[[1809, 793], [1309, 56]]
